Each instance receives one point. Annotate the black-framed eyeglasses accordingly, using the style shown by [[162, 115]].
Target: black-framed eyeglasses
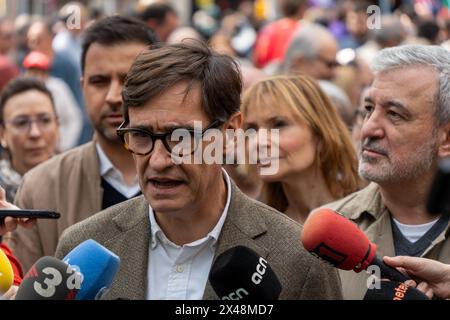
[[329, 63], [181, 141]]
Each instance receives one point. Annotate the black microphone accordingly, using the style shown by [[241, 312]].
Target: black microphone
[[394, 290], [241, 274], [50, 279], [438, 201]]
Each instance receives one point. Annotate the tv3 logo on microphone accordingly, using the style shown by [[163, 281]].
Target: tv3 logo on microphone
[[53, 279]]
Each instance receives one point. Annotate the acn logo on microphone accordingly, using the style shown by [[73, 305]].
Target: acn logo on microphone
[[237, 295], [260, 270]]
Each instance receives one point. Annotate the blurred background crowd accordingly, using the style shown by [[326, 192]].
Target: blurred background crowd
[[336, 46], [333, 42]]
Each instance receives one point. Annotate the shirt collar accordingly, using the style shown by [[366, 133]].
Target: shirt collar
[[365, 201], [105, 163], [213, 234]]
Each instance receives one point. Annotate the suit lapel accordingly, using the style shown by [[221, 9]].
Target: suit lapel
[[242, 226], [92, 182], [380, 233], [132, 245]]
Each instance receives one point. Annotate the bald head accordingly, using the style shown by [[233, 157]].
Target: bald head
[[40, 37], [312, 51]]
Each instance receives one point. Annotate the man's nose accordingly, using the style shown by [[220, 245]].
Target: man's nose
[[114, 95], [332, 72], [372, 127], [160, 159]]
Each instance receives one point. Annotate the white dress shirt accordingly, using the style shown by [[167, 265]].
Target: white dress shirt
[[114, 177], [181, 272]]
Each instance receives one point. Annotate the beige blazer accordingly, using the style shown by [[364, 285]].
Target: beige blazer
[[70, 184], [125, 230]]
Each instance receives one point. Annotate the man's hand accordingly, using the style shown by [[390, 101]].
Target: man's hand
[[431, 274], [10, 224], [11, 293]]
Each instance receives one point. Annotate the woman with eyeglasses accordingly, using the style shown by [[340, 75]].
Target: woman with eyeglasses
[[28, 130], [316, 163]]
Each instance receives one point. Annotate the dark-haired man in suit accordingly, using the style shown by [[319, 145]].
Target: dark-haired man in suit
[[190, 212]]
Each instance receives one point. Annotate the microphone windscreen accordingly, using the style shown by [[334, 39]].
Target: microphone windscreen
[[394, 290], [241, 274], [330, 236], [97, 265], [6, 273], [49, 279], [438, 201]]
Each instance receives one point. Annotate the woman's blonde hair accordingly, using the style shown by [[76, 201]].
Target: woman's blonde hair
[[336, 157]]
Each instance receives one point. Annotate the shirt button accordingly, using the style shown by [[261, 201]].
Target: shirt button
[[179, 269]]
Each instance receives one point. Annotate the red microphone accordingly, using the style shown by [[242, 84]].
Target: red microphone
[[335, 239]]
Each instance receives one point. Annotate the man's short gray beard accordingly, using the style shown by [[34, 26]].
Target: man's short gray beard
[[110, 137], [419, 163]]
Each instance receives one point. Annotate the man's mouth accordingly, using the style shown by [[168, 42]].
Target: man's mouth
[[373, 151], [164, 183], [114, 118]]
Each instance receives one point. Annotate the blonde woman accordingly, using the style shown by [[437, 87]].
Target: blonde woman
[[317, 163]]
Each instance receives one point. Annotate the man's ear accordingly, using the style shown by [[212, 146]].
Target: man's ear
[[234, 123], [152, 23], [2, 138], [298, 63], [444, 146]]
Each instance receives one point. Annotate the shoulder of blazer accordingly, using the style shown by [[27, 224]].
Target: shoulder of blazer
[[254, 217], [120, 217], [84, 157]]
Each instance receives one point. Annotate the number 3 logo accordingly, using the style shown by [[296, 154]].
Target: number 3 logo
[[50, 283]]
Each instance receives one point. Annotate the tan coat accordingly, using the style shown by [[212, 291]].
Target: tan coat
[[70, 184], [367, 210], [125, 230]]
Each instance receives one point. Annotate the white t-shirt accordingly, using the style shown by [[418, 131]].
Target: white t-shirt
[[414, 232]]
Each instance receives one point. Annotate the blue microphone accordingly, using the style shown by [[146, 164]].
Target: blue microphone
[[98, 266]]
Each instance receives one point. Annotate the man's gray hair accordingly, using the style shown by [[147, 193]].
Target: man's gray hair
[[421, 55], [340, 100], [306, 42], [391, 31]]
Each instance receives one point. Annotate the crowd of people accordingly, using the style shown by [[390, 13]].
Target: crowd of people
[[362, 120]]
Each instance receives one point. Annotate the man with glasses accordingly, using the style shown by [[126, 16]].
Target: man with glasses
[[190, 212], [142, 142], [312, 51], [101, 173]]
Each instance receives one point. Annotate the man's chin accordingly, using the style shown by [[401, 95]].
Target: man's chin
[[165, 206], [110, 135], [377, 175]]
